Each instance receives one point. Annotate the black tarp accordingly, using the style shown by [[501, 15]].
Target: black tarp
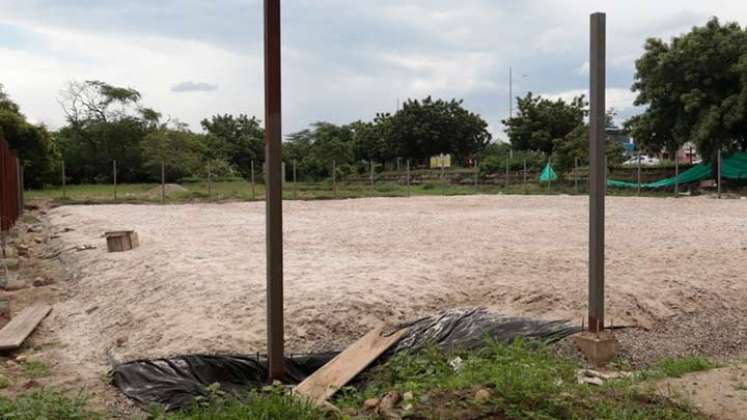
[[176, 381]]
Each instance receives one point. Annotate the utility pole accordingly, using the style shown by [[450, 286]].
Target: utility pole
[[510, 93], [597, 173], [273, 191]]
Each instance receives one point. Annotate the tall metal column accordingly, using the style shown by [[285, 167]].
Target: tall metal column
[[597, 172], [274, 190]]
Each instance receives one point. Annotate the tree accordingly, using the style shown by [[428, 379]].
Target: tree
[[315, 148], [430, 127], [575, 145], [179, 149], [33, 143], [541, 123], [105, 123], [237, 140], [694, 88]]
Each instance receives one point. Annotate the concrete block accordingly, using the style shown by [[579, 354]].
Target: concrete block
[[599, 348]]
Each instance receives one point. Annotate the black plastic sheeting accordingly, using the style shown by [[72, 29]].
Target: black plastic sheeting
[[175, 382]]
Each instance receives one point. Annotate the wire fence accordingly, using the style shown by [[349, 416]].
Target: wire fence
[[399, 177]]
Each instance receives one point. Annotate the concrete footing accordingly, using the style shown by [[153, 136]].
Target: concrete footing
[[599, 348]]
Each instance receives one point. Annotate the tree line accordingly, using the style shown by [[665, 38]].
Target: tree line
[[693, 88]]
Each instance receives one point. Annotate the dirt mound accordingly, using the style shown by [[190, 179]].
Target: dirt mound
[[170, 189]]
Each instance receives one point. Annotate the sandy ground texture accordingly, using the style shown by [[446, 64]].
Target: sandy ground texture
[[197, 282]]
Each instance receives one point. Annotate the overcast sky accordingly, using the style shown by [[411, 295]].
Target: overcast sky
[[343, 60]]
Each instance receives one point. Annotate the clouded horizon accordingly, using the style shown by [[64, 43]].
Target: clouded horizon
[[342, 60]]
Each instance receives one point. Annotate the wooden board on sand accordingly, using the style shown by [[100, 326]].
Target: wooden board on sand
[[19, 328], [323, 383]]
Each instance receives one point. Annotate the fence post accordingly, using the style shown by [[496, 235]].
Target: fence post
[[507, 175], [443, 176], [334, 178], [64, 192], [719, 174], [163, 183], [407, 177], [477, 175], [19, 170], [677, 172], [210, 183], [575, 175], [525, 177], [252, 180], [371, 175], [114, 171], [639, 173], [295, 181]]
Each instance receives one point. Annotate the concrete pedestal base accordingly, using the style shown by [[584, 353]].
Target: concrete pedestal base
[[599, 348]]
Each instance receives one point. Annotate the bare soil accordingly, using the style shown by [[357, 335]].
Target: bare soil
[[196, 284]]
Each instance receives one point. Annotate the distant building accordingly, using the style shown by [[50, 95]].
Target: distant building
[[619, 135], [688, 153]]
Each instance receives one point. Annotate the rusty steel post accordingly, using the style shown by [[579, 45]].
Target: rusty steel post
[[597, 172], [273, 191]]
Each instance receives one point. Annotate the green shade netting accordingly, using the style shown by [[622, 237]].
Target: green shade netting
[[732, 167], [548, 174]]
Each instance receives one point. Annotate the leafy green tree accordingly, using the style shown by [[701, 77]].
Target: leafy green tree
[[575, 145], [430, 127], [34, 145], [237, 140], [180, 150], [541, 123], [315, 148], [694, 88], [105, 123]]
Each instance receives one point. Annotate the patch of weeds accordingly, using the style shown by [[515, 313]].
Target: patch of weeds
[[4, 382], [269, 404], [675, 368], [524, 380], [35, 369], [45, 404], [740, 387]]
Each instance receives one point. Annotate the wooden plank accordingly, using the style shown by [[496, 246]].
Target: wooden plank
[[323, 383], [19, 328]]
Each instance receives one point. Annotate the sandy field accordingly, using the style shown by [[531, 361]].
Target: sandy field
[[197, 282]]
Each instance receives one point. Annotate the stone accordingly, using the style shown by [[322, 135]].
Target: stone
[[599, 348], [371, 404], [15, 284], [483, 395], [10, 263], [387, 406], [22, 358]]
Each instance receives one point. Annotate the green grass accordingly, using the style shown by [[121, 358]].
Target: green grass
[[45, 404], [35, 369], [242, 191], [526, 381], [676, 368], [270, 404]]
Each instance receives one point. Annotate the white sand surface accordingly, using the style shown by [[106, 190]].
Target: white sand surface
[[197, 282]]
